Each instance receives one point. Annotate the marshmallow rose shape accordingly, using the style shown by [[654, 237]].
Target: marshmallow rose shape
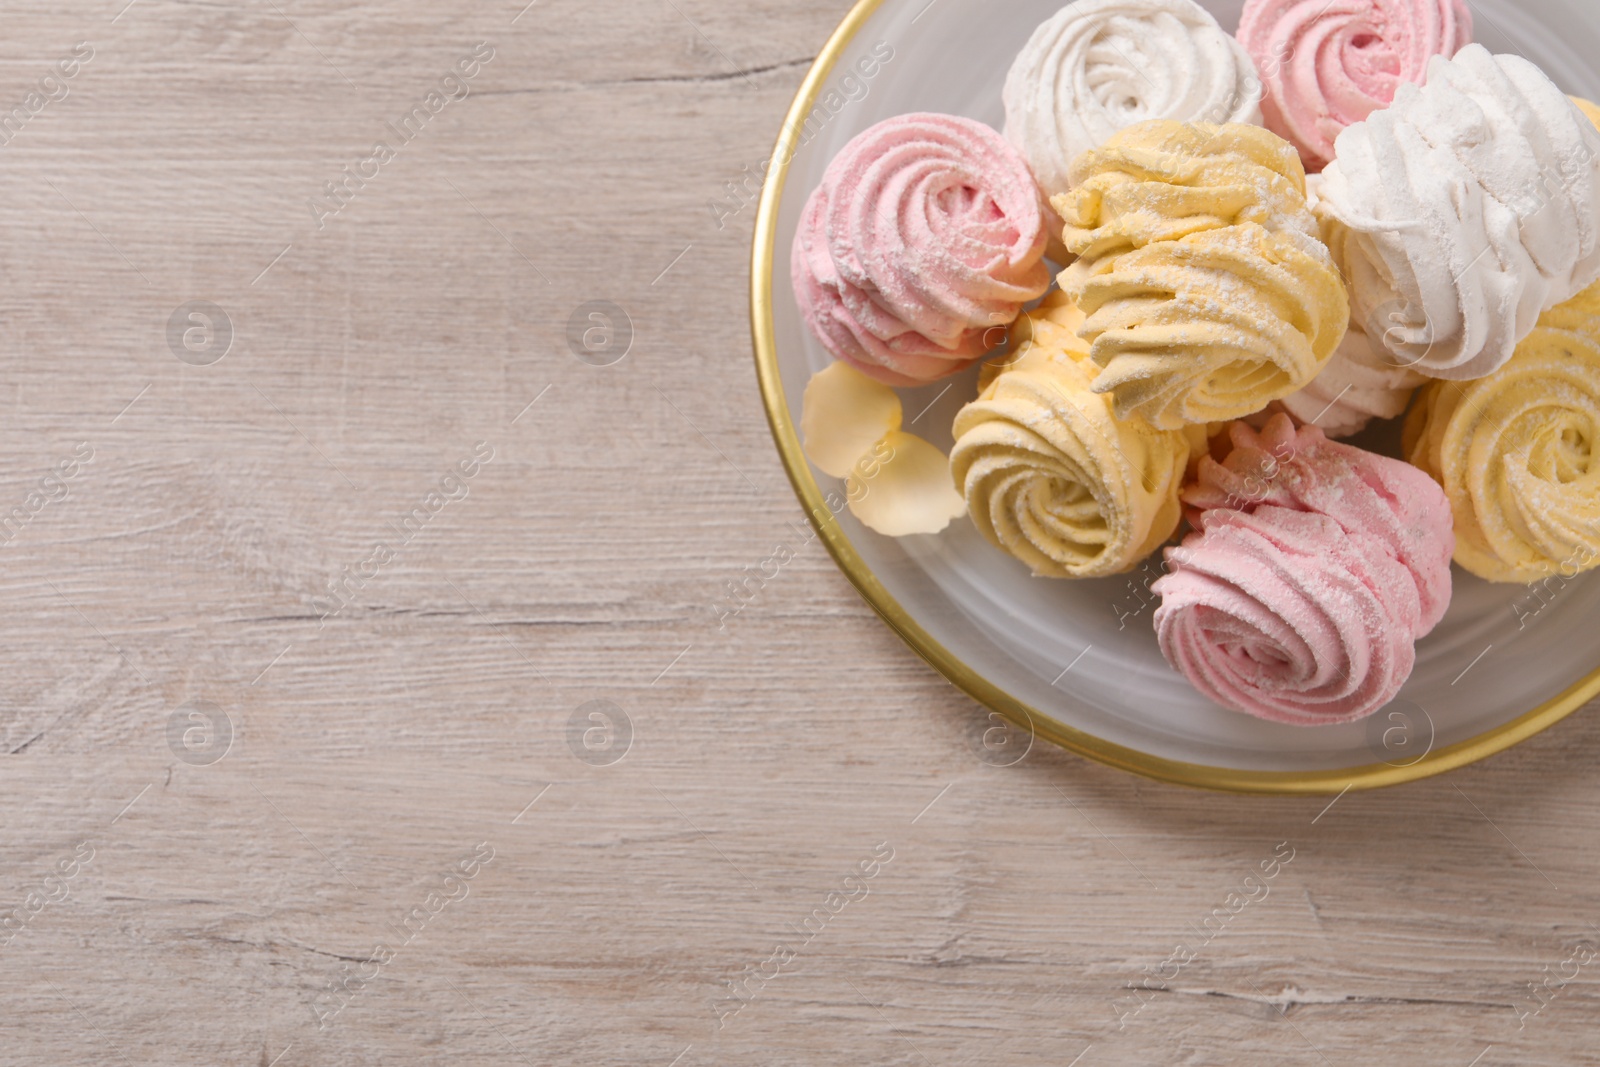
[[1099, 66], [1312, 570], [1329, 65], [1050, 474], [1462, 211], [1518, 452], [921, 245]]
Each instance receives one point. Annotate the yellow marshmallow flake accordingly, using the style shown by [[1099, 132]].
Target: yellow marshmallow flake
[[896, 483], [842, 415], [904, 488]]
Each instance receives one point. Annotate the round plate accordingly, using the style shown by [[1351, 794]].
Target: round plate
[[1076, 662]]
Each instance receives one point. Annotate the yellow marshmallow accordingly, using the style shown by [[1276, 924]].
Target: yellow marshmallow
[[1208, 291], [1050, 474], [1590, 109], [1515, 451]]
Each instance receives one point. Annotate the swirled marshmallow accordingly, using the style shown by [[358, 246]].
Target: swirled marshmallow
[[1463, 210], [1050, 474], [1312, 570], [1327, 65], [1360, 383], [1518, 452], [919, 248], [1207, 290], [1099, 66]]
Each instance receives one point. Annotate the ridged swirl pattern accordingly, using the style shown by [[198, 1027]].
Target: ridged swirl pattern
[[1359, 384], [1328, 65], [1099, 66], [920, 246], [1516, 452], [1207, 289], [1311, 572], [1463, 210], [1050, 474]]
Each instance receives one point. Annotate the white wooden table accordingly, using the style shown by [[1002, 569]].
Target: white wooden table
[[291, 770]]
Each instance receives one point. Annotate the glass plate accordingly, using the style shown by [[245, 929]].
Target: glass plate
[[1076, 663]]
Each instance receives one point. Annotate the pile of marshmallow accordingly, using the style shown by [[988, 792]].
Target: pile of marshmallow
[[1221, 319]]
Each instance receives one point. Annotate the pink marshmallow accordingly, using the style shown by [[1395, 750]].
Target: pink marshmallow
[[1312, 570], [1328, 64], [922, 243]]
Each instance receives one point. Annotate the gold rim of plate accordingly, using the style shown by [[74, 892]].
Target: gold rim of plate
[[1372, 776]]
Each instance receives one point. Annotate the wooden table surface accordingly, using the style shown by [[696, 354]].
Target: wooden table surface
[[321, 545]]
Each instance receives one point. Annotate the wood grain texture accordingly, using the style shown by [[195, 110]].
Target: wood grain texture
[[213, 905]]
